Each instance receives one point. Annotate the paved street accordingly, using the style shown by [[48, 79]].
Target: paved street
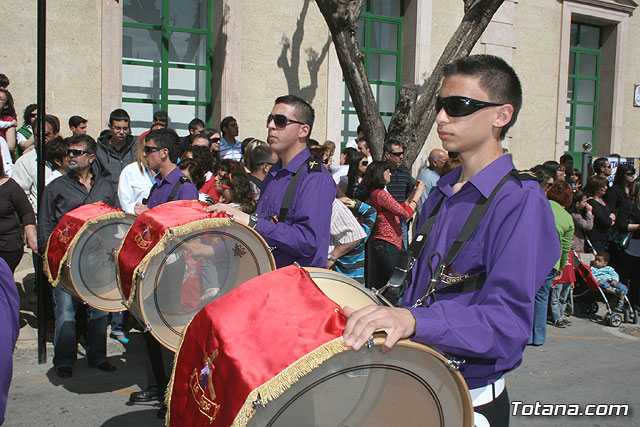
[[586, 363]]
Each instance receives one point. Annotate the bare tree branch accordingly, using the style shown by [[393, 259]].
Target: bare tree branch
[[342, 19], [413, 127]]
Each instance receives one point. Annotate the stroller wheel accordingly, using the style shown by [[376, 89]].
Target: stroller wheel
[[632, 316], [615, 320]]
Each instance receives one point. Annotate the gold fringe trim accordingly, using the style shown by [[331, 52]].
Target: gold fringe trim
[[169, 234], [168, 393], [108, 215], [276, 386]]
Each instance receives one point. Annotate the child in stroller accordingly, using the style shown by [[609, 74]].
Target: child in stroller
[[607, 277]]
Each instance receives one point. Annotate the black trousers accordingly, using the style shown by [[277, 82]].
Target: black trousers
[[12, 258], [496, 411]]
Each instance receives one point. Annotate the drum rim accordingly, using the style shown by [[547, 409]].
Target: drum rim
[[71, 251], [139, 308]]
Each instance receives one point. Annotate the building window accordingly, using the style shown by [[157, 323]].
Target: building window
[[582, 90], [166, 65], [380, 38]]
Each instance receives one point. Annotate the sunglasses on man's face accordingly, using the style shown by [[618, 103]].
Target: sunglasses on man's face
[[325, 161], [281, 121], [150, 149], [396, 153], [459, 106], [75, 153], [215, 139]]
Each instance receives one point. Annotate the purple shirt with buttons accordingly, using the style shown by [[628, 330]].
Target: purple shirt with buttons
[[304, 236], [515, 245], [187, 190]]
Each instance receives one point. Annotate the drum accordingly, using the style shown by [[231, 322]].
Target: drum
[[177, 258], [287, 365], [410, 385], [89, 236]]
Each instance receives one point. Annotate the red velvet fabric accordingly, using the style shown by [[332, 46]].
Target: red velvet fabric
[[568, 272], [149, 229], [67, 228], [244, 339]]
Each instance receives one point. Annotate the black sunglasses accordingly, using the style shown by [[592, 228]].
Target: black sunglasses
[[364, 163], [397, 153], [75, 153], [150, 149], [281, 121], [215, 139], [325, 161], [459, 106]]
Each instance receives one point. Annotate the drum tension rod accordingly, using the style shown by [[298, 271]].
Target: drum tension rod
[[370, 342], [258, 403]]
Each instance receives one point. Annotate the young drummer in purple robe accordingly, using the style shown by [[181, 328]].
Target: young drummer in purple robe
[[515, 245]]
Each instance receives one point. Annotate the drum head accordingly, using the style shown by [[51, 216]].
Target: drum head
[[193, 270], [342, 289], [408, 386], [92, 259]]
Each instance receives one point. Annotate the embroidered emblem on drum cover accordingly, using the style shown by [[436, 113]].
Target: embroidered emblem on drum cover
[[142, 239], [63, 235], [451, 277], [239, 251], [201, 385]]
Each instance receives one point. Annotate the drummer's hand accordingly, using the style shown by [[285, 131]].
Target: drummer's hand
[[398, 323], [237, 214], [139, 208]]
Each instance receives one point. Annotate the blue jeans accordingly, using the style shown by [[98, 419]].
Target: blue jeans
[[539, 332], [119, 322], [558, 298], [65, 345], [619, 286]]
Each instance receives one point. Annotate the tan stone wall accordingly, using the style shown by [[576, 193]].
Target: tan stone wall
[[536, 60], [268, 70], [631, 114], [73, 58]]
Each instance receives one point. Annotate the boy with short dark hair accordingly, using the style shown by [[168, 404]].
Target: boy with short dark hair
[[607, 277], [78, 125], [483, 312]]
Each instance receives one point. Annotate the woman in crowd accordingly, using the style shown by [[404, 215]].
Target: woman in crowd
[[246, 159], [357, 167], [387, 235], [195, 172], [582, 214], [603, 217], [236, 190], [560, 196], [14, 206], [223, 167], [627, 221], [206, 160], [555, 169], [135, 181]]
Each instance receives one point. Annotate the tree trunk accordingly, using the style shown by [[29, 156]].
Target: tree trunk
[[412, 120], [412, 126], [342, 18]]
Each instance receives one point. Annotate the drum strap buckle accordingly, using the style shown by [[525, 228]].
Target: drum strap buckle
[[454, 364]]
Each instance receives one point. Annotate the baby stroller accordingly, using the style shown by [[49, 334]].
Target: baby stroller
[[588, 292]]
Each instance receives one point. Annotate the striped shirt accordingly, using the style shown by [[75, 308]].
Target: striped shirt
[[230, 152], [352, 263]]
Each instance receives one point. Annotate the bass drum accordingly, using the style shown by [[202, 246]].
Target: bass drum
[[193, 270], [411, 385]]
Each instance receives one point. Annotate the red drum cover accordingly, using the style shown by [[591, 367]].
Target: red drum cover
[[68, 230], [252, 344], [152, 229]]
